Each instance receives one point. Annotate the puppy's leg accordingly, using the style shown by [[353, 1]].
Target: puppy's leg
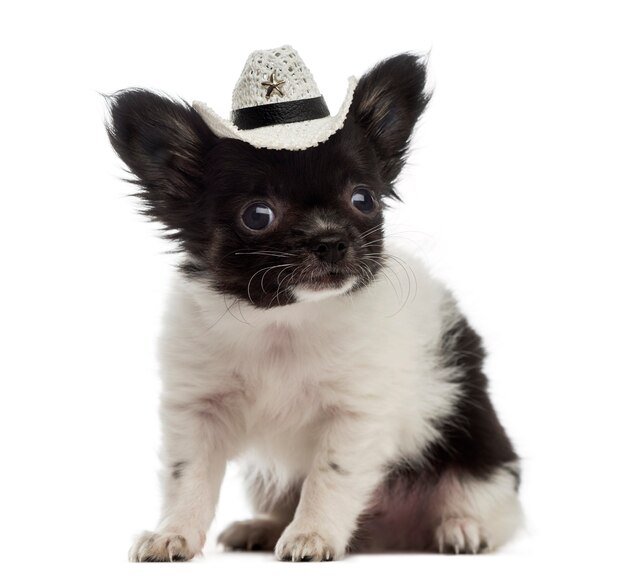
[[478, 469], [274, 506], [452, 511], [347, 468], [257, 534], [194, 457], [477, 515]]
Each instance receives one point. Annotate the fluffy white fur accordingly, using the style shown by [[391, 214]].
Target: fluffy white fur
[[352, 380]]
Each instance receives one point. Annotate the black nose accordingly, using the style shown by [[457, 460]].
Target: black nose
[[331, 248]]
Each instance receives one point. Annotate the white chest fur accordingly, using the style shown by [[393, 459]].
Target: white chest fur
[[283, 371]]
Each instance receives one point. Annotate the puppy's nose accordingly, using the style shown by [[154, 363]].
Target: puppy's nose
[[330, 248]]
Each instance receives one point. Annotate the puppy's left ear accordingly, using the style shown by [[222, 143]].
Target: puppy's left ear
[[387, 103]]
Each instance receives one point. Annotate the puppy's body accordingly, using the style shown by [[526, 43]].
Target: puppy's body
[[383, 365], [337, 369]]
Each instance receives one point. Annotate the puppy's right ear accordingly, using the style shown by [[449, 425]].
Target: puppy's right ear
[[164, 143], [387, 103]]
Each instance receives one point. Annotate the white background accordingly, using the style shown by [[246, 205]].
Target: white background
[[515, 194]]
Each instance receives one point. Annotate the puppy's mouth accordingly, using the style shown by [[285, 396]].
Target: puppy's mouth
[[324, 283], [326, 278]]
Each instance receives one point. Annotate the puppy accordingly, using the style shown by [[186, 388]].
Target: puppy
[[290, 343]]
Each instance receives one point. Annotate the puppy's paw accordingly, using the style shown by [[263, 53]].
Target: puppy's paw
[[160, 547], [259, 534], [295, 545], [458, 535]]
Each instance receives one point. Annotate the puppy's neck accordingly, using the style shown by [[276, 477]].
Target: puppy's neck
[[238, 314]]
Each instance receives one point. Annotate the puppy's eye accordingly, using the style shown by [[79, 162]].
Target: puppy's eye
[[363, 200], [257, 216]]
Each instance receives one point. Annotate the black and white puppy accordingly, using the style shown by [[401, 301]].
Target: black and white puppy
[[363, 427]]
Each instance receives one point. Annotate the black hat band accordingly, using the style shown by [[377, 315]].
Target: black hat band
[[280, 113]]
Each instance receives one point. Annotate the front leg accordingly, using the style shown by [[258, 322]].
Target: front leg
[[348, 466], [194, 458]]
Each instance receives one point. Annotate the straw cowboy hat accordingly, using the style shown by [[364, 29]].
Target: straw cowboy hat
[[277, 105]]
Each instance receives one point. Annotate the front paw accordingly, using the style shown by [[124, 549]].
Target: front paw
[[161, 547], [297, 545]]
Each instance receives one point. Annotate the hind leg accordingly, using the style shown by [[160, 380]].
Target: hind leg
[[476, 515], [257, 534], [477, 507], [274, 508], [449, 512]]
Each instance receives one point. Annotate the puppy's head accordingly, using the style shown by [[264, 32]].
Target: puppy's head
[[273, 227]]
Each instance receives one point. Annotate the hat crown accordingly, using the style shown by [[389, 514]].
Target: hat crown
[[274, 76]]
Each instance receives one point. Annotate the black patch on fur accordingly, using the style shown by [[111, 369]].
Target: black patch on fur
[[197, 185], [177, 469], [338, 469], [474, 441]]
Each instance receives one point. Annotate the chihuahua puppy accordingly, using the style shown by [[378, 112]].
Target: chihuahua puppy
[[363, 426]]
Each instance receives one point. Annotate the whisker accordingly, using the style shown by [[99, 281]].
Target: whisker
[[278, 291], [406, 268], [384, 267], [241, 312], [266, 253], [371, 231], [287, 286], [258, 272], [267, 270], [280, 282], [218, 319], [229, 307], [363, 271], [392, 234], [255, 251], [402, 264], [372, 242], [407, 265]]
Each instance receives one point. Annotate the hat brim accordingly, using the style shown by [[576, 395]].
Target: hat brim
[[291, 136]]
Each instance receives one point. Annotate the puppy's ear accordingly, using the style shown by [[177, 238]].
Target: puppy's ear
[[387, 103], [164, 143]]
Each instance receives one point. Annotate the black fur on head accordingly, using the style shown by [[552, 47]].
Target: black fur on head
[[323, 204]]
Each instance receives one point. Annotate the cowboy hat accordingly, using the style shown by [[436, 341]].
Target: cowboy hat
[[277, 105]]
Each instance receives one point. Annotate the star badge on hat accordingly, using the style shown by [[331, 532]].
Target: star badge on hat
[[273, 85]]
